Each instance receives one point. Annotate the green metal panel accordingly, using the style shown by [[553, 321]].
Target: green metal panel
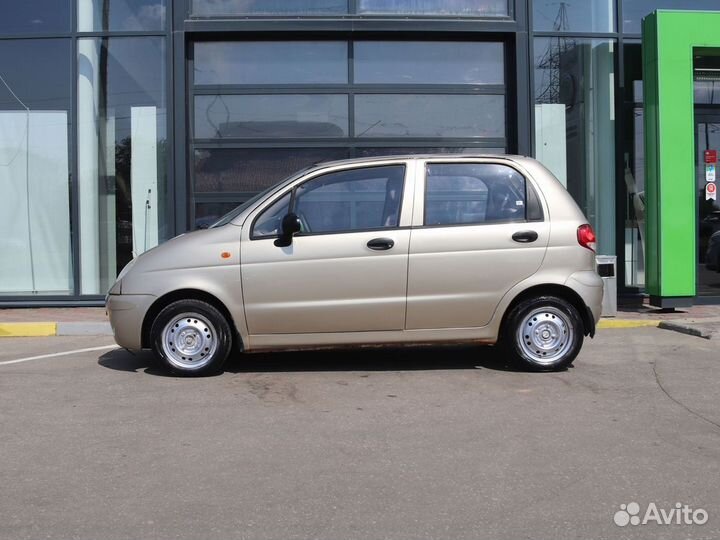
[[669, 40]]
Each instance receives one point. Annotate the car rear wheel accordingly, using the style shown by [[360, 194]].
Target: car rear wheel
[[544, 333], [191, 338]]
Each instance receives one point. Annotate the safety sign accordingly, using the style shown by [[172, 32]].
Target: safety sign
[[710, 192]]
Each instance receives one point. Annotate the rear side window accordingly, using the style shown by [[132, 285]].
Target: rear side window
[[477, 193]]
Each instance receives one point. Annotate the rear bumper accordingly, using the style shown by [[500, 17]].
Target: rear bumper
[[589, 286], [126, 313]]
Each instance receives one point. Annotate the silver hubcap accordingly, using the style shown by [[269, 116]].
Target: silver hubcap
[[545, 335], [189, 341]]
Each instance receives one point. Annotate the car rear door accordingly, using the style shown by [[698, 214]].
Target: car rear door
[[346, 271], [479, 228]]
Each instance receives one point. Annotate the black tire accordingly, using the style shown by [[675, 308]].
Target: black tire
[[552, 334], [191, 338]]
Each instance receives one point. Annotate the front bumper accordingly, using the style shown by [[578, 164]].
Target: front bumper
[[126, 313]]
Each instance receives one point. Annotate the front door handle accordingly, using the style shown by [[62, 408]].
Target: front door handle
[[381, 244], [525, 237]]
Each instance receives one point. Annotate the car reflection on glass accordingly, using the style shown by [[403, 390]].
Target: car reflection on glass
[[712, 256]]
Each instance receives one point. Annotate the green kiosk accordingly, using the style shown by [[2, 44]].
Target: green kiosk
[[682, 142]]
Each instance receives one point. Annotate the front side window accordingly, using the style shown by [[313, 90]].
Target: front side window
[[343, 201], [473, 193]]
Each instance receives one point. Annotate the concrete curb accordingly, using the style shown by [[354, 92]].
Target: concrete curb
[[627, 323], [44, 329], [94, 328], [691, 329], [25, 329]]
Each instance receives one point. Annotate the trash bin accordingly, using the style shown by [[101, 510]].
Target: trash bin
[[607, 268]]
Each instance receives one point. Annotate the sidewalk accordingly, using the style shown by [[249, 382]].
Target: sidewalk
[[699, 321]]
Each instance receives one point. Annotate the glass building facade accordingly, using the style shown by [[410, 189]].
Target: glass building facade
[[126, 122]]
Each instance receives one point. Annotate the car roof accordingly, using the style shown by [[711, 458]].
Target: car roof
[[404, 157]]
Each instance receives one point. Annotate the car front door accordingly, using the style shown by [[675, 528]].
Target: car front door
[[478, 229], [346, 270]]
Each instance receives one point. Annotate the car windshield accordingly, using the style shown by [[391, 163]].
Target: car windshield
[[235, 212]]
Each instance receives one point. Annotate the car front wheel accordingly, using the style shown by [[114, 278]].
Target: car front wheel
[[544, 333], [191, 338]]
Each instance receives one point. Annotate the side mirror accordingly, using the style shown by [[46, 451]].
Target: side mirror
[[290, 226]]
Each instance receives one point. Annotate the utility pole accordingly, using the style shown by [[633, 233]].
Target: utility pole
[[550, 61]]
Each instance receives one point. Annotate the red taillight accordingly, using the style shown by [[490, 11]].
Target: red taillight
[[586, 237]]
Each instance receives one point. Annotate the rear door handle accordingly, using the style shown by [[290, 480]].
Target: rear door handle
[[525, 237], [381, 244]]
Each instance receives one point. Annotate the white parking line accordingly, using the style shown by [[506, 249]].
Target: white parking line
[[65, 353]]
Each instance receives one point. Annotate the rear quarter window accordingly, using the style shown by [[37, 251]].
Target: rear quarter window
[[477, 193]]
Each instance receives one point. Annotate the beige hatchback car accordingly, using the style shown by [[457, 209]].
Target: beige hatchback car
[[382, 251]]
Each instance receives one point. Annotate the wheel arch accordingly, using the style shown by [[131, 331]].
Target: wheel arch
[[553, 289], [185, 294]]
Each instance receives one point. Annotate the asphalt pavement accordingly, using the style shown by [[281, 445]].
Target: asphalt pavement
[[398, 444]]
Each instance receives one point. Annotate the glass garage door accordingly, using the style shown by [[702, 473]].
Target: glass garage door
[[261, 110]]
